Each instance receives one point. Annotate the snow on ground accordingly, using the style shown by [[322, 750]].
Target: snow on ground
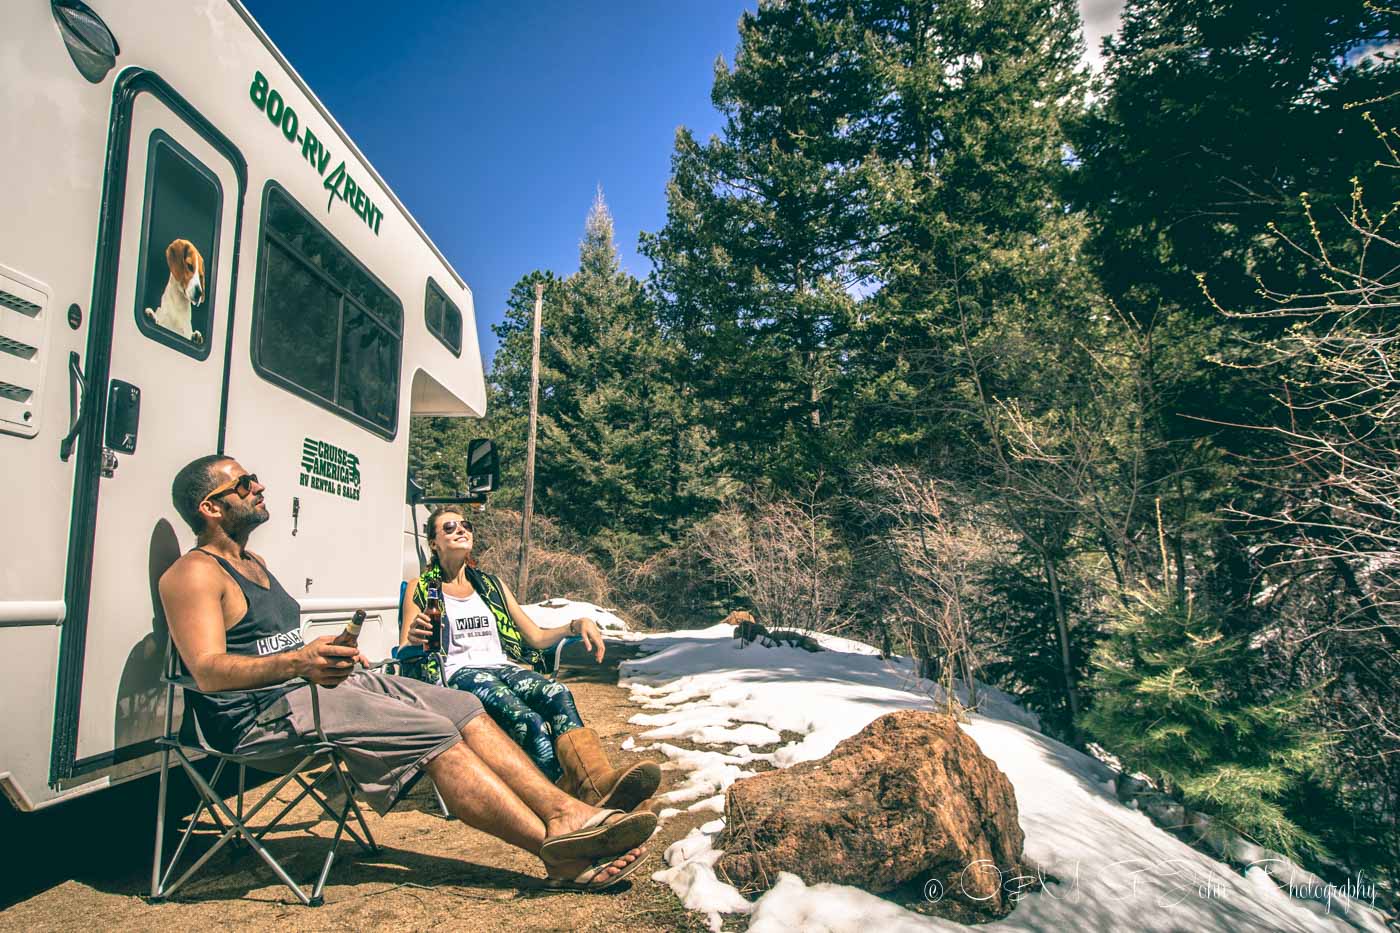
[[557, 613], [1113, 868]]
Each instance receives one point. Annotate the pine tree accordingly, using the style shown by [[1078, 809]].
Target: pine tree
[[1173, 700], [618, 454], [755, 258]]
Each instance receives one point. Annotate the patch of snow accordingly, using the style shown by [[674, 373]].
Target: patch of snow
[[1106, 866], [557, 613], [791, 905], [692, 877], [847, 645]]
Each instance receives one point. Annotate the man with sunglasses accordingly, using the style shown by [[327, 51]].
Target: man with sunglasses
[[239, 635]]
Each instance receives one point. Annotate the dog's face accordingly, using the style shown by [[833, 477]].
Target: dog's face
[[187, 269]]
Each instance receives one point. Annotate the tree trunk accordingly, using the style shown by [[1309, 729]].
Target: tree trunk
[[522, 580], [1052, 577]]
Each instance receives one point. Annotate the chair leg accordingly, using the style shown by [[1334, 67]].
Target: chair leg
[[160, 824], [368, 844], [311, 790], [234, 822], [307, 789], [316, 899], [442, 804], [237, 826], [161, 889]]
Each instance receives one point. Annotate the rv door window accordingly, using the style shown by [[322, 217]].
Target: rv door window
[[179, 247], [324, 327], [443, 318]]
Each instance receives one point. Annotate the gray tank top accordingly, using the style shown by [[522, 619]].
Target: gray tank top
[[271, 625]]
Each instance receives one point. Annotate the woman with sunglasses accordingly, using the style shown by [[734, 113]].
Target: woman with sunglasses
[[489, 646]]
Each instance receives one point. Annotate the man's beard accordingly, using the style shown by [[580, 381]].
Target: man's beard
[[242, 523]]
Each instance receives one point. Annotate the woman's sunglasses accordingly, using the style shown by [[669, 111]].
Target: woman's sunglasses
[[243, 486], [451, 526]]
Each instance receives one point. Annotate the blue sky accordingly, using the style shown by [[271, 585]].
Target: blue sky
[[494, 122]]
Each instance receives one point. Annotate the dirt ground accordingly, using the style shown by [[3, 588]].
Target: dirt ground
[[88, 864]]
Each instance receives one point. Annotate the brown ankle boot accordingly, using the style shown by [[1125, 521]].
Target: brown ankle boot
[[589, 776]]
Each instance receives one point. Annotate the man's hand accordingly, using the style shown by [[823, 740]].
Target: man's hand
[[323, 663], [592, 636], [420, 629]]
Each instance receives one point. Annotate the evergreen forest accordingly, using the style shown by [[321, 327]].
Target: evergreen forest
[[1085, 385]]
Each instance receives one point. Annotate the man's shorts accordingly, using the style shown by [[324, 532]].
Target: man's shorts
[[386, 728]]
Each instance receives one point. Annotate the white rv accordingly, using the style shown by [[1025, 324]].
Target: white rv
[[195, 258]]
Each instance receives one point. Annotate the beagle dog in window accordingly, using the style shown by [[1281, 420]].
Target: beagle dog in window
[[183, 291]]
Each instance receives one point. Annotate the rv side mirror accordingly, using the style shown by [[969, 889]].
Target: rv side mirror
[[483, 467]]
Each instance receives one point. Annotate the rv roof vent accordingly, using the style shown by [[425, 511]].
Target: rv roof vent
[[23, 337], [17, 303], [22, 350]]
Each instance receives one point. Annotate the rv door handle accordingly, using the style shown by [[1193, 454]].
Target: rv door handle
[[77, 405]]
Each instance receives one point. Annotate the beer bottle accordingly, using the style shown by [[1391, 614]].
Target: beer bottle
[[433, 610], [350, 638]]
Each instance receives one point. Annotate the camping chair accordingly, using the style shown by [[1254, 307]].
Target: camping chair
[[189, 742], [549, 664]]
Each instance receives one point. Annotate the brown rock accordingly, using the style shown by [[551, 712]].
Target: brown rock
[[909, 800]]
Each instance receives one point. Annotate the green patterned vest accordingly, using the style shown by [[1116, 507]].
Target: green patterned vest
[[489, 587]]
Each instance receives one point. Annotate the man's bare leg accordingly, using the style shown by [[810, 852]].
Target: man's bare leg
[[560, 812], [476, 796], [500, 791]]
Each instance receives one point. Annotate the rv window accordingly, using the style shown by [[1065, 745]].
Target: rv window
[[444, 320], [179, 249], [324, 327]]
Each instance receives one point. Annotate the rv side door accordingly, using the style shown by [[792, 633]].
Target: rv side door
[[162, 393]]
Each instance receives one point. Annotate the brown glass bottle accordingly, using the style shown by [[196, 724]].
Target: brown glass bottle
[[351, 636], [433, 610]]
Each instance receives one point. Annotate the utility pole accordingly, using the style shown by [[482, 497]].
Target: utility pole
[[522, 577]]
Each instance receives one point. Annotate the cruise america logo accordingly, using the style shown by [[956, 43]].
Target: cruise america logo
[[329, 468]]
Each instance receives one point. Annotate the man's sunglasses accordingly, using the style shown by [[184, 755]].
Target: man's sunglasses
[[243, 486], [451, 526]]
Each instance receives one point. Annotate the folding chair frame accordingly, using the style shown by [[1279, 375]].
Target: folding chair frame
[[235, 823]]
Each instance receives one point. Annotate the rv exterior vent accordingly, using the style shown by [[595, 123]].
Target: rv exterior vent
[[22, 350], [17, 303], [23, 337]]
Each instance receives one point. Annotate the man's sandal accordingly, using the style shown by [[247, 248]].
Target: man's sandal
[[598, 838], [585, 881]]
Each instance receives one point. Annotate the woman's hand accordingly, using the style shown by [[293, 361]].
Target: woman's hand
[[420, 629], [592, 636]]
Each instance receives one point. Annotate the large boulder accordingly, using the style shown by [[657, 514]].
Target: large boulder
[[908, 803]]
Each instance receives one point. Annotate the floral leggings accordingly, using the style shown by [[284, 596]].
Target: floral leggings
[[533, 710]]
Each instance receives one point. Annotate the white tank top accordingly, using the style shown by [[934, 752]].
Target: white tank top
[[472, 639]]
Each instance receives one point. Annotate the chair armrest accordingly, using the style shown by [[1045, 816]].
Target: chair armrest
[[187, 683], [316, 711]]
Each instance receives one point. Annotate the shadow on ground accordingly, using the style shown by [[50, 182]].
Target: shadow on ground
[[87, 862]]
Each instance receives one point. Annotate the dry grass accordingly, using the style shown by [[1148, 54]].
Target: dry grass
[[557, 567]]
